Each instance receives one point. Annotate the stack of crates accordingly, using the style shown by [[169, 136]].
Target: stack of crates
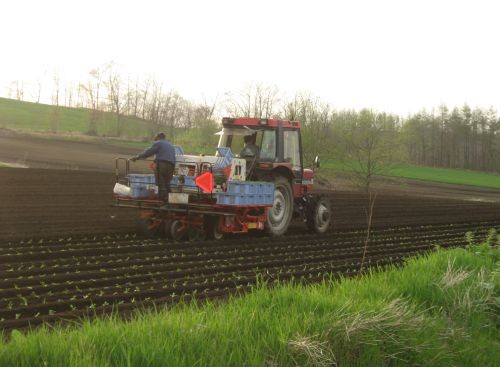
[[247, 193], [142, 185], [224, 158]]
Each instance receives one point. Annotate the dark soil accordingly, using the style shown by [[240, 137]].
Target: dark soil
[[66, 252]]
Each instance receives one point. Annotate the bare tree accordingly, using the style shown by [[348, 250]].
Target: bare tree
[[92, 90], [56, 89], [370, 146], [114, 86], [172, 112], [256, 100], [206, 110], [16, 88], [68, 95], [128, 103], [147, 83], [136, 97], [156, 106], [317, 119], [39, 90]]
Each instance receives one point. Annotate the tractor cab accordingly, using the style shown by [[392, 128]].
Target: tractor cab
[[279, 148]]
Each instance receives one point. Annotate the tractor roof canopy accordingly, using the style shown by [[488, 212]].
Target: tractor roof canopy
[[238, 130], [257, 122]]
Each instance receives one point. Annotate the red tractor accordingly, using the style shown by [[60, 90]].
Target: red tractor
[[261, 188]]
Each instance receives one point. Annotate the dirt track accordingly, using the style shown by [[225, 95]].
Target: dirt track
[[42, 203], [46, 151], [50, 203]]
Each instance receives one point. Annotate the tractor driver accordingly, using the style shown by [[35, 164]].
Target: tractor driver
[[165, 163], [250, 149], [250, 153]]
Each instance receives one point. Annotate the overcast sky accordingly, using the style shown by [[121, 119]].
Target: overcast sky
[[395, 56]]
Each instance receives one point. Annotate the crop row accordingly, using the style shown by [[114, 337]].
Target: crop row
[[44, 290], [178, 258], [114, 245], [60, 308], [189, 271]]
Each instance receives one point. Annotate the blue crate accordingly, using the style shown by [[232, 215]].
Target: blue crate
[[178, 150], [244, 199], [141, 185], [179, 153], [264, 199], [249, 199], [241, 187], [224, 199], [140, 178], [141, 191], [224, 158], [267, 188], [264, 187], [230, 199], [250, 187]]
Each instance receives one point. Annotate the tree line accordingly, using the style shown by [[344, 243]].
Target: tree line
[[458, 138]]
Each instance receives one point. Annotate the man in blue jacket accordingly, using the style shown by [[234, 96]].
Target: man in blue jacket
[[165, 163]]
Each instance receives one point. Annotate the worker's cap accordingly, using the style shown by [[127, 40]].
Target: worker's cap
[[160, 136]]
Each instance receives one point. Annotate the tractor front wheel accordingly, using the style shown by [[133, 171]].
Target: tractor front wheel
[[280, 215], [319, 215]]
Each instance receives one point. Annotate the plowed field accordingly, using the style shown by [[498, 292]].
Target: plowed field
[[42, 203], [66, 252]]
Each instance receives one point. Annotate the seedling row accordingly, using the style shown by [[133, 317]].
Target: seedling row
[[85, 277]]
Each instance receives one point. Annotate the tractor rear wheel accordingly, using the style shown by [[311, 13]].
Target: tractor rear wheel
[[212, 227], [319, 215], [280, 215], [148, 227], [167, 225], [178, 230]]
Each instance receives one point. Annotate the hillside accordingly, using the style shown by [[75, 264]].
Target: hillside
[[75, 124], [28, 116]]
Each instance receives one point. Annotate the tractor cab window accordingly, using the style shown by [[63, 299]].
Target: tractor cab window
[[268, 146], [292, 148], [237, 144], [235, 139]]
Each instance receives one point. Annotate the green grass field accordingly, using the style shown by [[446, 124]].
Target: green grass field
[[445, 175], [33, 117], [437, 310], [30, 116]]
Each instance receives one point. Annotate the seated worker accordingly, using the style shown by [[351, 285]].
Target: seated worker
[[250, 149], [250, 152]]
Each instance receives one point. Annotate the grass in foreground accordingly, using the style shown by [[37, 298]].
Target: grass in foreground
[[439, 310], [444, 175]]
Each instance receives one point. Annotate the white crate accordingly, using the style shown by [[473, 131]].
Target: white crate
[[178, 198]]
